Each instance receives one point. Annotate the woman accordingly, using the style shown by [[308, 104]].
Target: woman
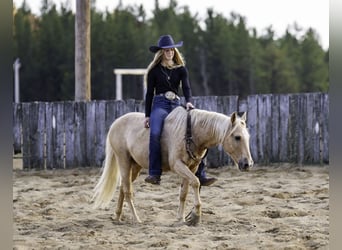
[[164, 75]]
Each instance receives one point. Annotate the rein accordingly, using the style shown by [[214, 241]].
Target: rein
[[188, 137]]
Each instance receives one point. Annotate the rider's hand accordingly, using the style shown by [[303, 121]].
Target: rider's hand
[[147, 122], [189, 106]]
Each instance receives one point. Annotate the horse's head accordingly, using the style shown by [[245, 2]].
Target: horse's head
[[236, 142]]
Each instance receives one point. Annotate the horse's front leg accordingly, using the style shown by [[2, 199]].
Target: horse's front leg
[[183, 192], [189, 178]]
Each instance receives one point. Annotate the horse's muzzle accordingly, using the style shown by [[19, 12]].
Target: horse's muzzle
[[245, 165]]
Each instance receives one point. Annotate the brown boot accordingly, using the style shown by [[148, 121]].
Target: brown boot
[[153, 179], [207, 181], [202, 175]]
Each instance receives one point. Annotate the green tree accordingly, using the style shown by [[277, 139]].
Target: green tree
[[25, 48], [314, 74], [51, 54], [241, 66], [190, 33], [276, 74], [217, 44], [101, 86], [164, 21], [67, 66], [118, 41], [222, 55], [256, 54]]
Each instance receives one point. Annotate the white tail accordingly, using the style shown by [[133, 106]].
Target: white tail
[[105, 188]]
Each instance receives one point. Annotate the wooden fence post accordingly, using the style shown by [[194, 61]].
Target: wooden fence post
[[17, 128], [100, 132], [90, 136], [70, 131], [80, 132], [324, 118], [284, 113], [26, 135], [252, 121]]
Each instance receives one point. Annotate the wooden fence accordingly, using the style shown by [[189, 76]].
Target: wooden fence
[[284, 128]]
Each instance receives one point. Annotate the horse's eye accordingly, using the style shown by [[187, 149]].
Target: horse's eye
[[238, 138]]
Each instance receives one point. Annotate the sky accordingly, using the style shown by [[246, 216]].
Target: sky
[[259, 14]]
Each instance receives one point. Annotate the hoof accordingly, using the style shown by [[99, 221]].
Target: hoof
[[116, 220], [137, 222], [192, 219]]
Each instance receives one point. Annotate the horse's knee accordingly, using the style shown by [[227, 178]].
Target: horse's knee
[[195, 183]]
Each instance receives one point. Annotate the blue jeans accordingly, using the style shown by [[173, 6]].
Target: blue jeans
[[161, 107]]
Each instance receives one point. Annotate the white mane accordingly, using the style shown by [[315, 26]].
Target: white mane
[[218, 123]]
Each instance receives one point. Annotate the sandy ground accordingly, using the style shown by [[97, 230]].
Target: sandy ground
[[278, 207]]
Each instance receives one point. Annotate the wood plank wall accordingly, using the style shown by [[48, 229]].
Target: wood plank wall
[[284, 128]]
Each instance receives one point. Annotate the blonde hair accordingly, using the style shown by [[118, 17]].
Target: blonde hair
[[178, 60]]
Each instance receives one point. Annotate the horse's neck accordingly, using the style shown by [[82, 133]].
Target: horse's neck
[[210, 130]]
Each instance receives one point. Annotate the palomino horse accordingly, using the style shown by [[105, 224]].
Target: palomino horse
[[127, 153]]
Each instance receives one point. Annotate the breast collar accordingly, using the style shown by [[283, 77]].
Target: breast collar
[[188, 138]]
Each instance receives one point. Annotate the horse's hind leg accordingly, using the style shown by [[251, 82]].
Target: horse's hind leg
[[135, 173], [127, 175], [119, 205]]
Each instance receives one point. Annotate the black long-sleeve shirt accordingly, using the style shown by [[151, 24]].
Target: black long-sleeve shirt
[[160, 79]]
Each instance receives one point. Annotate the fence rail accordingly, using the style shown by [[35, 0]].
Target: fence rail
[[284, 128]]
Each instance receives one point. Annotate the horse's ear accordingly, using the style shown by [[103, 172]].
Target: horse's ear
[[244, 116], [233, 117]]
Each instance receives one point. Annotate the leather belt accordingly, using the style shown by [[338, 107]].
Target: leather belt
[[170, 95]]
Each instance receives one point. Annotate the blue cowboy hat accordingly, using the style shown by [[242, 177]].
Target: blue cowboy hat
[[165, 42]]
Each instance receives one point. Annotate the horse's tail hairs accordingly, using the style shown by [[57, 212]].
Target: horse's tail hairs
[[106, 186]]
